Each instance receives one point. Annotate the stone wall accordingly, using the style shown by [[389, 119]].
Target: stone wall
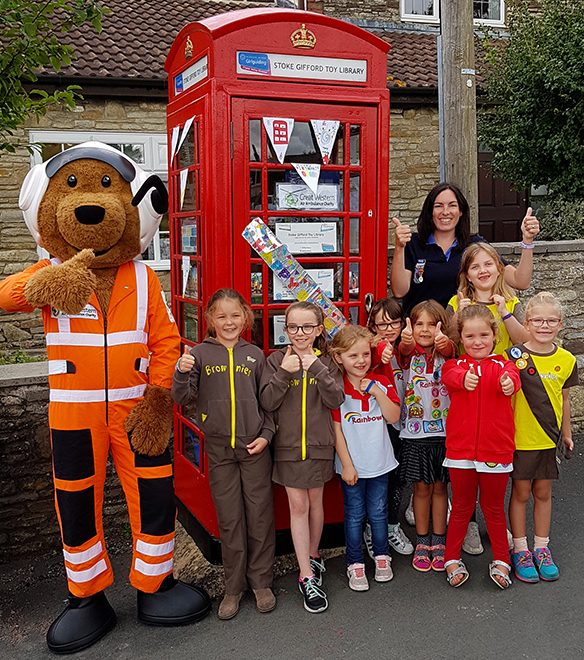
[[27, 520]]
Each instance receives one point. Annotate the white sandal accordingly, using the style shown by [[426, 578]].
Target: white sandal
[[495, 572], [460, 570]]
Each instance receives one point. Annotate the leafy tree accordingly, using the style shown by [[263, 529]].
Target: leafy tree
[[534, 121], [31, 36]]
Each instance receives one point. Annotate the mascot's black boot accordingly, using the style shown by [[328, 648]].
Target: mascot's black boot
[[82, 623], [174, 604]]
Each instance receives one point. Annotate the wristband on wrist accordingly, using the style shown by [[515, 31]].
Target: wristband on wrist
[[371, 384], [526, 246], [178, 367], [507, 316]]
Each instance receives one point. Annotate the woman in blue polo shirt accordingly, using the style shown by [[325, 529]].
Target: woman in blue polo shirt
[[426, 263]]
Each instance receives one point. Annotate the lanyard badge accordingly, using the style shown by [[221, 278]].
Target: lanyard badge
[[419, 271]]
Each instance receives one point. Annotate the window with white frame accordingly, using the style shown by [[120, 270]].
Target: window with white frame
[[489, 12], [147, 149]]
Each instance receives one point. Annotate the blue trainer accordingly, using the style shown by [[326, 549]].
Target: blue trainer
[[523, 566], [544, 564]]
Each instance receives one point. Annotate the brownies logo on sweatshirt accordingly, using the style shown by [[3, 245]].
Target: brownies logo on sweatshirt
[[358, 418], [211, 369]]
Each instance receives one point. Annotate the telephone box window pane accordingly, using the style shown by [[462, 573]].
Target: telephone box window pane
[[256, 284], [325, 275], [309, 235], [277, 336], [192, 447], [257, 332], [255, 140], [190, 201], [354, 236], [337, 156], [288, 192], [355, 192], [188, 232], [186, 153], [191, 290], [255, 190], [190, 328], [302, 146], [355, 145], [354, 281]]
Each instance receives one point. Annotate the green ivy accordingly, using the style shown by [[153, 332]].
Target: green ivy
[[561, 219], [18, 356], [534, 82], [32, 35]]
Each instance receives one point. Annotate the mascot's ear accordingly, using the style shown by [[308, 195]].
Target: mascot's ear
[[32, 191], [151, 198]]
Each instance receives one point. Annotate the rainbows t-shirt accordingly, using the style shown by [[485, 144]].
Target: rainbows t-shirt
[[365, 430]]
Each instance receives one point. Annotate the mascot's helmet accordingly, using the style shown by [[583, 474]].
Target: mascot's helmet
[[151, 206]]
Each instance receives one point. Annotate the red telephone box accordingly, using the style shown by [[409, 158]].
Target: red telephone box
[[226, 74]]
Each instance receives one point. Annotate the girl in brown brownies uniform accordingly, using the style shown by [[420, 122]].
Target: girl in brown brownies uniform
[[301, 384], [221, 376]]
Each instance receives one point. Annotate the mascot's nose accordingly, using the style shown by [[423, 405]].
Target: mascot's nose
[[89, 215]]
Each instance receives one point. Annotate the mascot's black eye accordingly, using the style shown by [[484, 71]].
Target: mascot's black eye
[[106, 182], [72, 181]]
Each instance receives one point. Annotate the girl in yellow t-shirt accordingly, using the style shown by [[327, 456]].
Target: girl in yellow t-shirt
[[482, 280]]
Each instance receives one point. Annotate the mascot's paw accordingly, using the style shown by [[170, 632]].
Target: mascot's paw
[[66, 287], [150, 421]]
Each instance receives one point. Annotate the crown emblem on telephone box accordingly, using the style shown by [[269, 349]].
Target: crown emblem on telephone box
[[303, 37], [188, 48]]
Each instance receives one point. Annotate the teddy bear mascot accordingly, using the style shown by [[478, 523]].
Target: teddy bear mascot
[[112, 345]]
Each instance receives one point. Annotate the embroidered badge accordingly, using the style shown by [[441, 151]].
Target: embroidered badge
[[435, 426], [521, 363], [436, 414], [515, 352], [419, 271]]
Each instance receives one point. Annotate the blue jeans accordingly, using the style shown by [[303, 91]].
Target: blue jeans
[[366, 499]]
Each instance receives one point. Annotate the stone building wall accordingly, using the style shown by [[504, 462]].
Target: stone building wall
[[28, 523]]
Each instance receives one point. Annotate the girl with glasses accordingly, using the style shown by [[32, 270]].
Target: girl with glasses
[[542, 432], [386, 323], [301, 385]]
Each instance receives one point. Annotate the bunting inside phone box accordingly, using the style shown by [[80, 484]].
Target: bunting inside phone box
[[112, 346]]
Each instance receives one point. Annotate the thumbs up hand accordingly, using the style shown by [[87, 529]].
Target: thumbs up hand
[[407, 335], [471, 380], [403, 234], [462, 301], [186, 362], [441, 340], [499, 304], [290, 362], [529, 226], [387, 354], [507, 384]]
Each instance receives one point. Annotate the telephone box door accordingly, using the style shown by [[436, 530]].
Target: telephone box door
[[333, 234]]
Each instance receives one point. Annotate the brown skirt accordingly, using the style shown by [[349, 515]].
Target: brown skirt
[[311, 473], [534, 464]]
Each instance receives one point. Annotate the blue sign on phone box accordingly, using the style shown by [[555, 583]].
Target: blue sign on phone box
[[256, 62]]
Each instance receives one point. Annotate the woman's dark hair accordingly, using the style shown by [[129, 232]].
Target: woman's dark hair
[[426, 223]]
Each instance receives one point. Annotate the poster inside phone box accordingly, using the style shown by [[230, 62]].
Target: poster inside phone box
[[282, 115]]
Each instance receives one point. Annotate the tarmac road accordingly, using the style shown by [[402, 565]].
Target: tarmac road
[[413, 616]]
